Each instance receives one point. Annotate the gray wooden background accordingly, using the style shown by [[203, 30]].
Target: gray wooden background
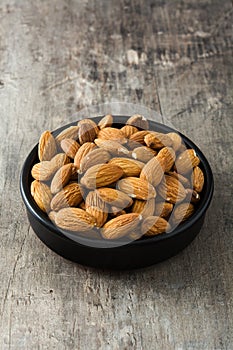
[[59, 56]]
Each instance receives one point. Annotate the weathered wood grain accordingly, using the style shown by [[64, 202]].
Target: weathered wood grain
[[172, 56]]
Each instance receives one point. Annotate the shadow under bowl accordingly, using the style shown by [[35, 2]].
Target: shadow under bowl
[[136, 254]]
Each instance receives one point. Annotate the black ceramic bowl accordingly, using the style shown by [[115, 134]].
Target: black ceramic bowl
[[136, 254]]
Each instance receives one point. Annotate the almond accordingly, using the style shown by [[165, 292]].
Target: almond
[[96, 207], [130, 167], [52, 215], [113, 147], [90, 122], [171, 190], [143, 153], [82, 205], [184, 180], [74, 174], [101, 175], [70, 147], [45, 170], [110, 133], [74, 219], [121, 226], [163, 209], [181, 149], [192, 196], [68, 133], [157, 140], [42, 171], [129, 130], [114, 197], [145, 208], [82, 152], [41, 194], [135, 235], [69, 196], [166, 157], [114, 212], [97, 156], [47, 146], [105, 121], [138, 137], [186, 161], [152, 172], [86, 133], [61, 178], [139, 121], [198, 179], [136, 188], [58, 160], [176, 140], [182, 212], [154, 225]]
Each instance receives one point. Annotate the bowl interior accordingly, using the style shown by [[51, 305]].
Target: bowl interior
[[120, 121]]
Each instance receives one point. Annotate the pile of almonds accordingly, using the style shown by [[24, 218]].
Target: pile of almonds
[[111, 182]]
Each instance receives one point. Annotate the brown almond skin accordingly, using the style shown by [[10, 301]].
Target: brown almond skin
[[114, 197], [41, 194], [61, 178], [184, 180], [58, 161], [145, 208], [90, 122], [176, 140], [110, 133], [94, 157], [69, 133], [171, 190], [121, 226], [136, 188], [113, 147], [138, 137], [86, 133], [70, 147], [152, 172], [52, 215], [74, 219], [42, 171], [163, 209], [129, 130], [47, 146], [114, 212], [181, 149], [154, 225], [167, 157], [82, 152], [182, 212], [96, 207], [143, 153], [101, 175], [139, 121], [198, 179], [130, 167], [45, 170], [106, 121], [157, 140], [69, 196], [186, 161], [82, 205], [192, 196]]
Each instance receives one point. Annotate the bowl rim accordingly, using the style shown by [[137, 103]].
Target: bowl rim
[[44, 220]]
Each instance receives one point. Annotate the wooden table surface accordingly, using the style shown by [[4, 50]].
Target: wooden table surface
[[59, 56]]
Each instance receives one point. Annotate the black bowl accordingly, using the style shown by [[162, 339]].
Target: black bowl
[[136, 254]]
